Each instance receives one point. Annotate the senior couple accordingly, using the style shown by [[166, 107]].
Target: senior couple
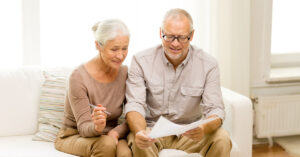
[[174, 80]]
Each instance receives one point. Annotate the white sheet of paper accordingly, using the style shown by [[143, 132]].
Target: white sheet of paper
[[164, 127]]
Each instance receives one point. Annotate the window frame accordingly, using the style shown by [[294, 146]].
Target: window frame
[[263, 62]]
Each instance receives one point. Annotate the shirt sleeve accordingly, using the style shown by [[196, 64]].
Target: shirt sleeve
[[135, 89], [78, 98], [212, 101]]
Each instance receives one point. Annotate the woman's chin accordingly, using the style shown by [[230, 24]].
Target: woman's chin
[[115, 65]]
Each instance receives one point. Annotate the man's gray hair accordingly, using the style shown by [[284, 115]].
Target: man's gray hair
[[175, 13], [109, 29]]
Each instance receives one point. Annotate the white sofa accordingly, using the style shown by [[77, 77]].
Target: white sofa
[[19, 103]]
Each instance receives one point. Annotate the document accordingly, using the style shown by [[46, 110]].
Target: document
[[164, 127]]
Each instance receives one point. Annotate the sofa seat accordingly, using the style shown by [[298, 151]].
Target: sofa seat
[[179, 153], [23, 146]]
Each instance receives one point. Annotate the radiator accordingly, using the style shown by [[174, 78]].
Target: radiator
[[277, 116]]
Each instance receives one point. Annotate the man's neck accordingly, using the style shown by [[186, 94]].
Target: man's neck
[[175, 63]]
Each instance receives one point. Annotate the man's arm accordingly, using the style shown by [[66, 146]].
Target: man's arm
[[135, 108], [136, 121], [212, 125], [198, 133], [212, 104], [137, 125]]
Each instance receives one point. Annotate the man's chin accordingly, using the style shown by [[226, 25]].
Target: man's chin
[[173, 56]]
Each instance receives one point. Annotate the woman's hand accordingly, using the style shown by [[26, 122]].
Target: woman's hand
[[99, 118], [114, 135]]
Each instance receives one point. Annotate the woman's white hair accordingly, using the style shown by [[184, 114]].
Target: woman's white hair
[[109, 29]]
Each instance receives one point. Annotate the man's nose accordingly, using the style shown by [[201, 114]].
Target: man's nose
[[175, 42]]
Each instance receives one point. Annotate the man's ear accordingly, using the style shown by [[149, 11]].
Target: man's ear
[[192, 35], [160, 33]]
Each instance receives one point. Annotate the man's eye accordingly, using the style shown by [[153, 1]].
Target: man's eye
[[124, 48], [114, 49]]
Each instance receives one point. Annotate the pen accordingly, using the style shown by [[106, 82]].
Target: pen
[[103, 111]]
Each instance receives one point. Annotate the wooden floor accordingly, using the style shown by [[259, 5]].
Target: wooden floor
[[263, 150]]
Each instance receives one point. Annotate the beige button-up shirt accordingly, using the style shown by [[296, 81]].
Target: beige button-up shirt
[[184, 95]]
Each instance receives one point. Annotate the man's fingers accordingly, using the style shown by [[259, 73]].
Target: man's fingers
[[142, 140]]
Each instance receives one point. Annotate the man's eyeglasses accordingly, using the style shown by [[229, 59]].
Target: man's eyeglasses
[[180, 38]]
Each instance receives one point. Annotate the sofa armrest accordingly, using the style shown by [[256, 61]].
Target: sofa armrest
[[239, 121]]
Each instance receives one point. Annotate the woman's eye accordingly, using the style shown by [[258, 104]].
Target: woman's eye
[[124, 49], [114, 49]]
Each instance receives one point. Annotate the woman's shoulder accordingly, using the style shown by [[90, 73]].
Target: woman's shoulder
[[124, 70], [78, 72]]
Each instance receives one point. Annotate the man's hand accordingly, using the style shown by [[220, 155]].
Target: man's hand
[[114, 135], [196, 134], [142, 140]]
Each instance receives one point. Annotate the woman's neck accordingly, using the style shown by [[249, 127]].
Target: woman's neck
[[102, 67], [100, 71]]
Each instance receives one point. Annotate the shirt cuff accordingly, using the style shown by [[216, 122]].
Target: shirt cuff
[[220, 113], [135, 107]]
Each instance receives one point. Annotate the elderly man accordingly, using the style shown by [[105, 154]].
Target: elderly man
[[181, 83]]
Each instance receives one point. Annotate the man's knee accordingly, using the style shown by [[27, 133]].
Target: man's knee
[[221, 139], [124, 154], [123, 150]]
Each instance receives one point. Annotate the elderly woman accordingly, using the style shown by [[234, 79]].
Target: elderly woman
[[94, 130]]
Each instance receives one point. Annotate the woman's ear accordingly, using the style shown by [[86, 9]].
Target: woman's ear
[[97, 45]]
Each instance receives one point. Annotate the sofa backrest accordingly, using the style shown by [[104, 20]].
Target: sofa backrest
[[19, 91], [19, 98]]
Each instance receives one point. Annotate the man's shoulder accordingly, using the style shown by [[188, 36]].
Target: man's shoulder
[[202, 56], [149, 52]]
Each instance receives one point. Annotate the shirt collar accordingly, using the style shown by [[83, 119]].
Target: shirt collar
[[184, 62]]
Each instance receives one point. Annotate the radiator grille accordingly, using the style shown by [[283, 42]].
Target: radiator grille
[[277, 116]]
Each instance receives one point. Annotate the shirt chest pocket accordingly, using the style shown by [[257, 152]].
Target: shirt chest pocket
[[190, 100], [191, 91]]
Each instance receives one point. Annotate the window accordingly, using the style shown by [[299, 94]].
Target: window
[[275, 52], [58, 32], [11, 33], [285, 47]]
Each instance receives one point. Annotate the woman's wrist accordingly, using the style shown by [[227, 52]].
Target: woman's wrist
[[114, 134], [99, 128]]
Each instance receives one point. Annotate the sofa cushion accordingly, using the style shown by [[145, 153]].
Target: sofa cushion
[[19, 92], [51, 107], [23, 146], [176, 153]]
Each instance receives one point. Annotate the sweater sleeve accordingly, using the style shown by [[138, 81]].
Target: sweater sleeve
[[122, 129], [78, 98]]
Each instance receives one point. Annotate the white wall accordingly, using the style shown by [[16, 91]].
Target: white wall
[[230, 42], [71, 36]]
